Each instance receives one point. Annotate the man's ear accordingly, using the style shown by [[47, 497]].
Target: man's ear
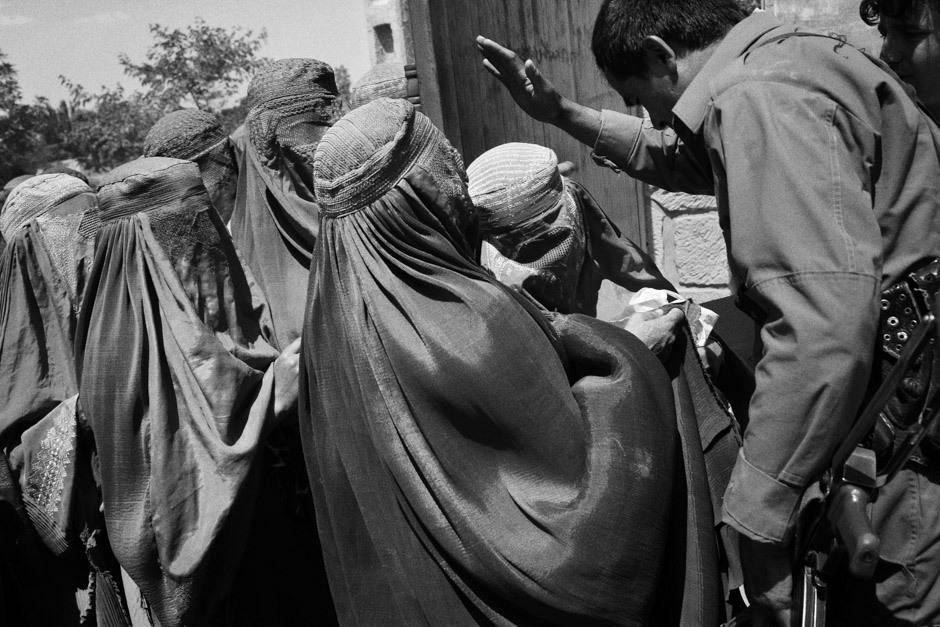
[[660, 57]]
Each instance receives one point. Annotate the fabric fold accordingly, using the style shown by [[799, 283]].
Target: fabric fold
[[177, 384], [470, 464]]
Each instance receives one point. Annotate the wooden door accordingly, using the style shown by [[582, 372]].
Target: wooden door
[[475, 111]]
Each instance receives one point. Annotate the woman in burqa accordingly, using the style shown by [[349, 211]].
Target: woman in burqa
[[197, 136], [547, 237], [546, 234], [471, 462], [180, 384], [275, 223], [48, 498]]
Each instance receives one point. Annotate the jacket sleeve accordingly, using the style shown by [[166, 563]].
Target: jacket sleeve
[[630, 144], [806, 246]]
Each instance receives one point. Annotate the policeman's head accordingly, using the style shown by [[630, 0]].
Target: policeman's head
[[646, 47], [911, 31]]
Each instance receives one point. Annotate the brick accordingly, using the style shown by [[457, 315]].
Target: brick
[[701, 257], [677, 202]]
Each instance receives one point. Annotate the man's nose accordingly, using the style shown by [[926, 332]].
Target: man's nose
[[890, 53]]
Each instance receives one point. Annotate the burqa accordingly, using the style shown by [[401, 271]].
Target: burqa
[[549, 238], [276, 219], [471, 464], [51, 524], [178, 383]]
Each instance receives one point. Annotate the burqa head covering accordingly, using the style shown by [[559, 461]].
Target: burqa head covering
[[198, 136], [460, 476], [61, 169], [276, 219], [66, 215], [9, 185], [176, 384], [291, 101], [531, 219], [386, 80], [49, 222], [16, 180], [546, 235]]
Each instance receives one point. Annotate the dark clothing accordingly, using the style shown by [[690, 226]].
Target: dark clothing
[[530, 483], [274, 227], [177, 383], [572, 248], [48, 493]]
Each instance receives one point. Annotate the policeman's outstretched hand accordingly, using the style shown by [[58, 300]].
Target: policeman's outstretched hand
[[656, 329], [532, 92], [286, 379]]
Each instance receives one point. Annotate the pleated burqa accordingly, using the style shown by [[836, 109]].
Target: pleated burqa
[[470, 464], [276, 219], [177, 381], [549, 229], [47, 491]]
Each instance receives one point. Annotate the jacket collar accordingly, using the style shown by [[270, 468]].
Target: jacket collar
[[692, 105]]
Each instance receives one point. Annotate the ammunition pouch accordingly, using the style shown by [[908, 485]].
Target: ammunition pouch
[[903, 307]]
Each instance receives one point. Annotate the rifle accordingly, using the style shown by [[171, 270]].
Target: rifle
[[843, 531]]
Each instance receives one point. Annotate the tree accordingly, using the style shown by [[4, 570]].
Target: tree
[[9, 86], [19, 140], [108, 128], [343, 84], [201, 66]]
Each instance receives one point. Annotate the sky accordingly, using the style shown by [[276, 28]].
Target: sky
[[81, 39]]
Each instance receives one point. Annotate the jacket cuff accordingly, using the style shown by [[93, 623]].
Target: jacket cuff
[[610, 139], [760, 506]]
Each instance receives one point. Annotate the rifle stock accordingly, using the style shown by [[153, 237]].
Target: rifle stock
[[853, 477]]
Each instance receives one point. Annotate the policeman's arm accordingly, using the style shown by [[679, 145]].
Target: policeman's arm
[[805, 243], [624, 142]]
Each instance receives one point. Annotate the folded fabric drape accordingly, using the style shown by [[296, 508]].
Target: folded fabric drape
[[276, 219], [175, 354], [50, 222], [549, 231], [470, 464]]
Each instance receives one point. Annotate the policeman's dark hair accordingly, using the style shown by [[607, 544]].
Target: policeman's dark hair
[[872, 10], [622, 25]]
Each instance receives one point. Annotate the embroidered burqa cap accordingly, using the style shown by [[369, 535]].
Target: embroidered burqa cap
[[62, 169], [370, 149], [16, 180], [198, 136], [514, 183], [385, 80], [36, 196], [185, 134], [287, 100], [532, 221], [147, 184], [547, 235]]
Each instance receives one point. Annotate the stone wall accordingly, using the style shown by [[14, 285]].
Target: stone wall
[[688, 244], [389, 36], [687, 241]]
